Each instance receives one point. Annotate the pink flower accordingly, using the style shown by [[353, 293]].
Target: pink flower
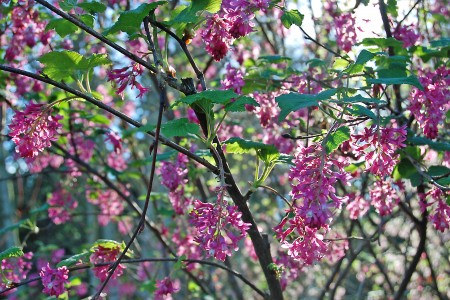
[[313, 179], [15, 269], [234, 79], [109, 202], [378, 146], [53, 280], [115, 140], [304, 244], [384, 196], [116, 161], [165, 288], [127, 76], [407, 35], [429, 106], [345, 31], [216, 36], [219, 226], [440, 211], [34, 129], [103, 254], [61, 205], [357, 207]]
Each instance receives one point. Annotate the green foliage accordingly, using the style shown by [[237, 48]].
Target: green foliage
[[267, 153], [61, 65], [292, 17], [92, 7], [295, 101], [411, 80], [179, 127], [73, 260], [438, 146], [336, 138], [130, 21], [11, 252], [62, 27], [191, 13]]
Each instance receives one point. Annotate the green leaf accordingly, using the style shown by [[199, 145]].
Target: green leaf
[[73, 260], [359, 110], [436, 171], [359, 98], [88, 20], [411, 80], [438, 146], [92, 7], [11, 252], [67, 5], [404, 169], [295, 101], [59, 65], [239, 104], [273, 59], [221, 97], [180, 263], [392, 7], [108, 244], [62, 27], [445, 181], [130, 21], [267, 153], [336, 138], [292, 17], [382, 42], [363, 57], [444, 42], [180, 127], [98, 119], [190, 13]]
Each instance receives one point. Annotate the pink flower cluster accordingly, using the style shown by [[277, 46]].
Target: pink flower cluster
[[14, 270], [109, 202], [385, 196], [233, 21], [304, 243], [61, 205], [378, 146], [234, 79], [215, 225], [291, 268], [357, 206], [429, 106], [440, 212], [268, 109], [165, 288], [407, 35], [82, 147], [127, 76], [54, 280], [313, 179], [26, 29], [106, 254], [34, 129], [173, 177], [345, 31]]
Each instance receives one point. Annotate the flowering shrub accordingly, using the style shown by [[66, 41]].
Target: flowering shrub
[[203, 149]]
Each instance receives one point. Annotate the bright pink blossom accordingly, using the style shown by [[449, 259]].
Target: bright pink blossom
[[54, 280], [14, 270], [429, 106], [378, 146], [34, 129], [127, 76], [313, 179], [216, 36], [219, 226], [61, 205], [345, 31], [115, 140], [384, 196], [165, 288], [234, 79], [109, 202], [104, 254], [407, 35], [440, 210], [357, 207]]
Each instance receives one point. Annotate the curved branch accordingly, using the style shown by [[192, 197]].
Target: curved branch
[[114, 112]]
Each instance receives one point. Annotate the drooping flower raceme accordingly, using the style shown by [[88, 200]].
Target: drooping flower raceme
[[61, 205], [127, 76], [385, 196], [54, 280], [109, 202], [345, 31], [15, 269], [34, 129], [440, 211], [313, 180], [429, 106], [219, 227], [106, 254], [378, 146], [165, 288], [407, 35], [234, 79]]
